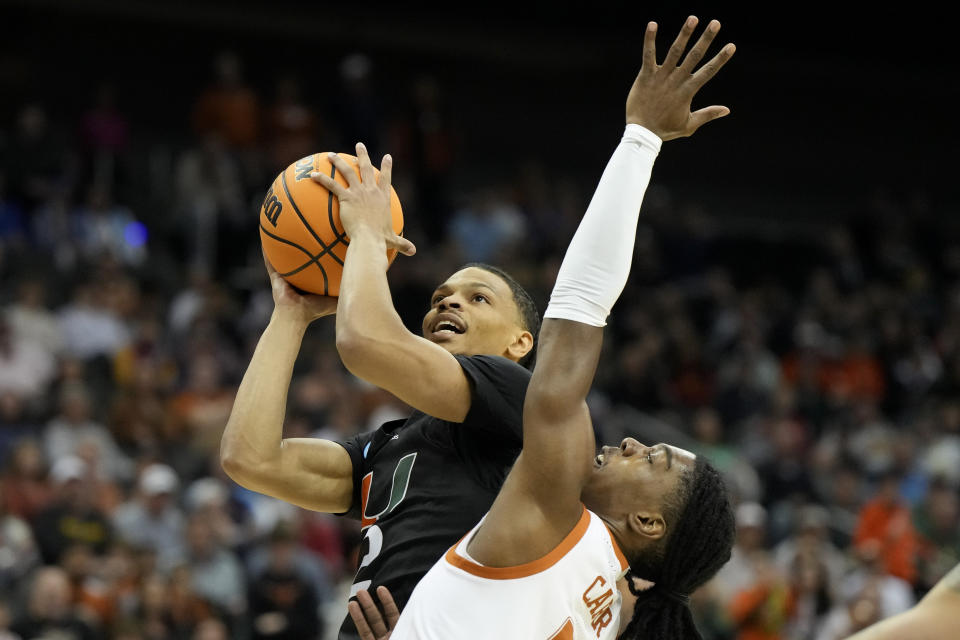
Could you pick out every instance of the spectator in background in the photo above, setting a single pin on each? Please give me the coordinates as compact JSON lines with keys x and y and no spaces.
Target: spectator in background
{"x":810,"y":539}
{"x":292,"y":127}
{"x":102,"y":227}
{"x":91,"y":328}
{"x":15,"y":423}
{"x":738,"y":573}
{"x":26,"y":368}
{"x":73,"y":516}
{"x":50,"y":613}
{"x":283,"y":601}
{"x":152,"y":519}
{"x":228,"y":108}
{"x":74,"y":426}
{"x":487,"y":227}
{"x":937,"y":521}
{"x":31,"y":320}
{"x":24,"y":489}
{"x":885,"y":531}
{"x":18,"y":550}
{"x":215,"y":573}
{"x":199,"y":412}
{"x":210,"y":202}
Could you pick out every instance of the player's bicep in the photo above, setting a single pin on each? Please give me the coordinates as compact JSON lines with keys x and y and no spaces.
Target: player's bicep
{"x":415,"y":370}
{"x":312,"y":473}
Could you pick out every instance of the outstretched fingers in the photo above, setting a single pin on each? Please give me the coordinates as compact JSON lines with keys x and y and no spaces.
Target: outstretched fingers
{"x":707,"y":71}
{"x":699,"y":50}
{"x":680,"y":44}
{"x":650,"y":48}
{"x":386,"y":174}
{"x":344,"y":168}
{"x":363,"y":160}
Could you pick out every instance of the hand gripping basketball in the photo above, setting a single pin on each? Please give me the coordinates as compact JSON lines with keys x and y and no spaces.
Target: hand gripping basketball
{"x":365,"y":202}
{"x":300,"y":226}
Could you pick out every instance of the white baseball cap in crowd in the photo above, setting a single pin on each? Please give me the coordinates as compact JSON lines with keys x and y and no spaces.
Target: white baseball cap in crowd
{"x":158,"y":478}
{"x":68,"y":468}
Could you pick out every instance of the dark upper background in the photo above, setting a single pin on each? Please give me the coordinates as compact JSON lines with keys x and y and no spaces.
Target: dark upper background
{"x":829,"y":104}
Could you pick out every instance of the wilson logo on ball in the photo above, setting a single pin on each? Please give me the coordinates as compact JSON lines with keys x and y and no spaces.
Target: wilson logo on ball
{"x":272,"y":207}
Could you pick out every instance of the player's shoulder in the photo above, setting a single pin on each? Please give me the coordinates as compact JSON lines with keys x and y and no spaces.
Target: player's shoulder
{"x":491,"y":363}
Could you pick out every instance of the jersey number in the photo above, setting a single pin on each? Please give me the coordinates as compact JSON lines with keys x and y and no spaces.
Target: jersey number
{"x":373,"y":534}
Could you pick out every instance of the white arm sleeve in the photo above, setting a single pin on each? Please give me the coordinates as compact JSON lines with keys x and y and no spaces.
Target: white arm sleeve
{"x":597,"y":263}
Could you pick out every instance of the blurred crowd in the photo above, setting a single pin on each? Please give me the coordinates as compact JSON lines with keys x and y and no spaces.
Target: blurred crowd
{"x":817,"y":363}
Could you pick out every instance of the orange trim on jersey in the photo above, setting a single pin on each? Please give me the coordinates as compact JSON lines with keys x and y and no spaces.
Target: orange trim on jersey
{"x":565,"y":632}
{"x":529,"y":568}
{"x":624,"y":565}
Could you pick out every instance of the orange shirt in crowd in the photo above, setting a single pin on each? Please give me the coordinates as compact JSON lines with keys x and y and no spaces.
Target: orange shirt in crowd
{"x":887,"y":525}
{"x":762,"y":611}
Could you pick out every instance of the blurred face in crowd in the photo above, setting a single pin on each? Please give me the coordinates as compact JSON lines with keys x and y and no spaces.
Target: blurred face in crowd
{"x":474,"y":312}
{"x":200,"y":538}
{"x":157,"y":503}
{"x":50,"y":595}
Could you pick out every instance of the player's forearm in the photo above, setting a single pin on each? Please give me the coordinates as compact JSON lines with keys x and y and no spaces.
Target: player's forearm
{"x":367,"y":322}
{"x":597,"y":263}
{"x":251,"y":443}
{"x":566,"y":362}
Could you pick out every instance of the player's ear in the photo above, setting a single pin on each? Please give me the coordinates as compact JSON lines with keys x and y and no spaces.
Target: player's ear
{"x":650,"y":525}
{"x":521,"y":346}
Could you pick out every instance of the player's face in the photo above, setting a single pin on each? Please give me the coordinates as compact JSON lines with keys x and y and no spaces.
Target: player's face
{"x":634,"y":476}
{"x":473,"y":313}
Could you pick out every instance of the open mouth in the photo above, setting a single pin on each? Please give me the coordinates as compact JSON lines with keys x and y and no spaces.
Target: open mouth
{"x":598,"y":461}
{"x":447,"y":327}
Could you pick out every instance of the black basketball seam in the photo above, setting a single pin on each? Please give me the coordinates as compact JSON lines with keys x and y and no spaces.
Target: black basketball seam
{"x":340,"y":237}
{"x":314,"y":259}
{"x":326,"y":249}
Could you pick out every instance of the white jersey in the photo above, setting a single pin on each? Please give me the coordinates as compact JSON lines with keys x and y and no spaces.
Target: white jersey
{"x":569,"y":594}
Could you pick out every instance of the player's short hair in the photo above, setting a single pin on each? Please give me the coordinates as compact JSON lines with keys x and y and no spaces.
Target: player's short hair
{"x":529,"y":316}
{"x":701,"y":532}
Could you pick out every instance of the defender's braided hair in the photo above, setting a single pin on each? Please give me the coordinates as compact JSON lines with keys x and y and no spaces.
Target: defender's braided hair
{"x":699,"y":544}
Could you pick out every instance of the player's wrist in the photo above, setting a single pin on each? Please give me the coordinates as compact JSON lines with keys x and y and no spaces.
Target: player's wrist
{"x":291,"y":318}
{"x":636,"y":132}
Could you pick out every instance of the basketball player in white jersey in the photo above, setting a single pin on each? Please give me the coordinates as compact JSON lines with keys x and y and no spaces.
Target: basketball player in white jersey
{"x":565,"y":528}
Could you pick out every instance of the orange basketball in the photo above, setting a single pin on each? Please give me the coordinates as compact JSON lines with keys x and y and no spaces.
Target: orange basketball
{"x":300,"y":225}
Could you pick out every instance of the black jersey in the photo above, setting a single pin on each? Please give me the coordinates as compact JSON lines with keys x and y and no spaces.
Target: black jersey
{"x":420,"y":484}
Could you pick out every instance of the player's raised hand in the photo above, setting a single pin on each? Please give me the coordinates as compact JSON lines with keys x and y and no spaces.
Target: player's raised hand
{"x":370,"y":622}
{"x":365,"y":203}
{"x":661,"y":95}
{"x":306,"y":307}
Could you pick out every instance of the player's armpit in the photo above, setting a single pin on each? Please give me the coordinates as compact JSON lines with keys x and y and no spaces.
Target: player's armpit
{"x":311,"y":473}
{"x":415,"y":370}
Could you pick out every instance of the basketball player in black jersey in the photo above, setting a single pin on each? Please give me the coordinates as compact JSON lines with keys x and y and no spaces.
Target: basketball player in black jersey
{"x":416,"y":485}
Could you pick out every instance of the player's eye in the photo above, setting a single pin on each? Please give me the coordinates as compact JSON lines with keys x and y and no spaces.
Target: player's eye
{"x":436,"y":299}
{"x":479,"y":298}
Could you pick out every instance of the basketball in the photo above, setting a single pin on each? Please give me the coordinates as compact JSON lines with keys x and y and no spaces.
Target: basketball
{"x":300,"y":225}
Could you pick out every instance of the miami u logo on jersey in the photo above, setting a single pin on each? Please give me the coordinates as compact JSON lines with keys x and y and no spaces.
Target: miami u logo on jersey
{"x":398,"y":490}
{"x":598,"y":600}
